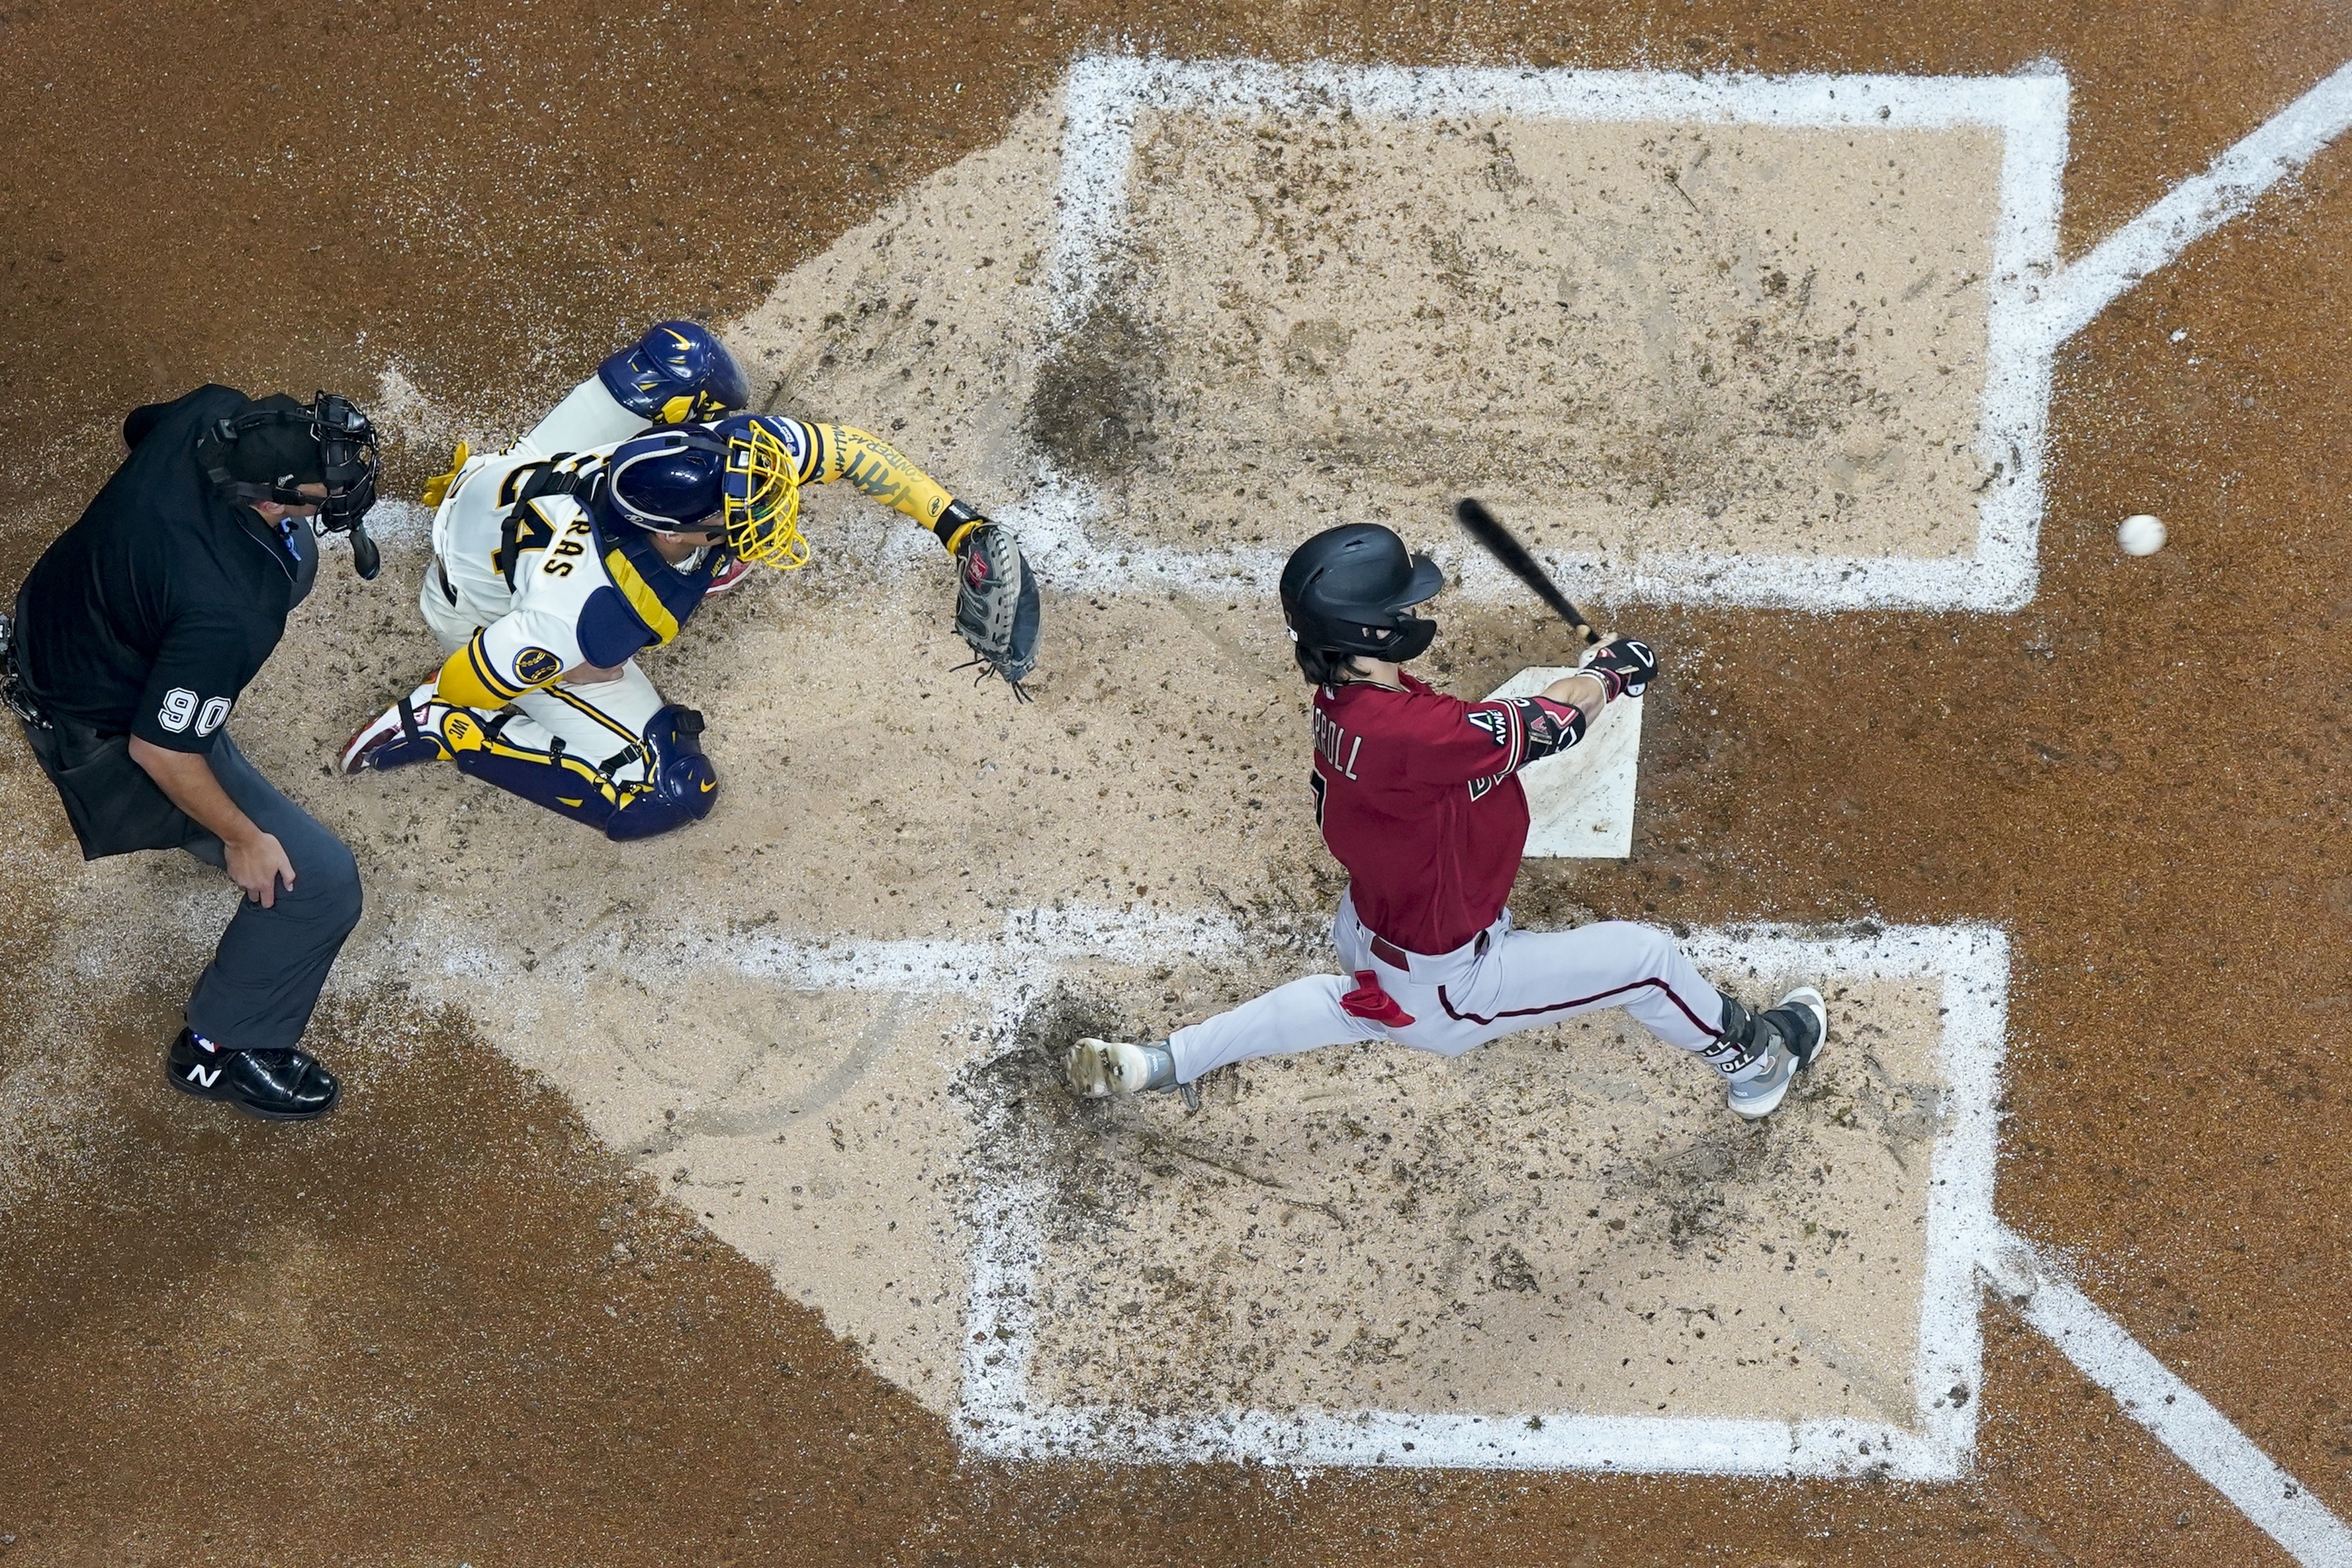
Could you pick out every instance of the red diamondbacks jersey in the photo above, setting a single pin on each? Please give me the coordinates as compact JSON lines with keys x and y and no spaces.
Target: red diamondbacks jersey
{"x":1417,"y":795}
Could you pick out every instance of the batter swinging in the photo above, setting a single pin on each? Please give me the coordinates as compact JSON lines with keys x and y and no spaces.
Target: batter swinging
{"x":1417,"y":795}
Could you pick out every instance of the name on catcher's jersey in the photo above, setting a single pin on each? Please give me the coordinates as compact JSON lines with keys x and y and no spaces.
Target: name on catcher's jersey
{"x":556,"y":586}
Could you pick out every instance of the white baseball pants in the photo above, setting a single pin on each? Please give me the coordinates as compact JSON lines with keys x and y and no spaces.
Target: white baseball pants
{"x":1498,"y":983}
{"x":594,"y":722}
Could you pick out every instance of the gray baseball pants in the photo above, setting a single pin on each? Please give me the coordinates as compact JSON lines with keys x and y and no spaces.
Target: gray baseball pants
{"x":1501,"y":981}
{"x":265,"y":978}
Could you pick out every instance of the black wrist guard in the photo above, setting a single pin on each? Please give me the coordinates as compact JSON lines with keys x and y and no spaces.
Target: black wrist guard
{"x":953,"y":521}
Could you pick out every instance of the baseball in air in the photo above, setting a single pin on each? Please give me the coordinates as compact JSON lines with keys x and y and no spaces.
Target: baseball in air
{"x":2141,"y":534}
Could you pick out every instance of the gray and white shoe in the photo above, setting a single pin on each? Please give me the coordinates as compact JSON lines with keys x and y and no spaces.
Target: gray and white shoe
{"x":1107,"y":1069}
{"x":1789,"y":1038}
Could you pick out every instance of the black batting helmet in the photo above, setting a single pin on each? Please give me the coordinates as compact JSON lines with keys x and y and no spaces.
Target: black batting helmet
{"x":1351,"y":590}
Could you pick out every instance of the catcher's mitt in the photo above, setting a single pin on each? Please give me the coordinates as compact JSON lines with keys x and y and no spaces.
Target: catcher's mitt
{"x":996,"y":606}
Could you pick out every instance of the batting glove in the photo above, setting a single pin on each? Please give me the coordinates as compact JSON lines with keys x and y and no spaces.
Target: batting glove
{"x":1625,"y":666}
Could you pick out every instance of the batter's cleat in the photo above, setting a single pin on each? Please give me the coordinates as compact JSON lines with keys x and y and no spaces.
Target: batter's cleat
{"x":408,"y":731}
{"x":1789,"y":1037}
{"x":282,"y":1085}
{"x":727,"y":577}
{"x":1101,"y":1069}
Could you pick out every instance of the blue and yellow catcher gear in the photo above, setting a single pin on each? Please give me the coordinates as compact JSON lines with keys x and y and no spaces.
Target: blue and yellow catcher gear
{"x":762,"y":491}
{"x":680,"y":788}
{"x":734,"y":477}
{"x":675,"y":374}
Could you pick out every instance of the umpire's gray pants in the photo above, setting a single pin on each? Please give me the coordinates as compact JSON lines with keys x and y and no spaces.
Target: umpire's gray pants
{"x":258,"y":992}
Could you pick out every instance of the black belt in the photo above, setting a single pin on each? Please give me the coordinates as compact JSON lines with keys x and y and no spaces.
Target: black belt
{"x":442,"y":572}
{"x":1396,"y":957}
{"x":13,"y":690}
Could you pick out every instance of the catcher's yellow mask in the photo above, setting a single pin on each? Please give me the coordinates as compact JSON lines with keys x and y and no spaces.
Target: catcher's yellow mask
{"x":762,"y":490}
{"x":736,"y":474}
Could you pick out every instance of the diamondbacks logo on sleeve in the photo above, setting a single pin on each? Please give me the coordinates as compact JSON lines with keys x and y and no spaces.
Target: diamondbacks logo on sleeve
{"x":1497,"y":726}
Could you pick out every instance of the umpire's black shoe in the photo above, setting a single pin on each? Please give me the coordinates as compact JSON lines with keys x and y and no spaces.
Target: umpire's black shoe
{"x":284,"y":1085}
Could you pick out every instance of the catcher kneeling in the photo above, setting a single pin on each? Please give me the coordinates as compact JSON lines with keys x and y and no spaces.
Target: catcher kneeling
{"x":598,"y":534}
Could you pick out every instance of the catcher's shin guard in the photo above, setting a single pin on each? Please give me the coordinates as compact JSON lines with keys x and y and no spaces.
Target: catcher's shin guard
{"x":680,"y":785}
{"x":407,"y":732}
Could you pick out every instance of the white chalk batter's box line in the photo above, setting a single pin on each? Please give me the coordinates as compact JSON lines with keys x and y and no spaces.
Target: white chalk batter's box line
{"x":999,"y":1418}
{"x":1035,"y":949}
{"x":1105,"y":95}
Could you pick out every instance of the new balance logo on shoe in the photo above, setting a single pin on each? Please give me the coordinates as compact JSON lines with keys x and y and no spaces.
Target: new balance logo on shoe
{"x":277,"y":1085}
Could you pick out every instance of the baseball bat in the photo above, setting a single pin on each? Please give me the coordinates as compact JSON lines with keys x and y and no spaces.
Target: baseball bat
{"x":1482,"y":525}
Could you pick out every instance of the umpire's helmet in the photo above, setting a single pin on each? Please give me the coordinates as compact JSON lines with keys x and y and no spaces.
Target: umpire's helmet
{"x":273,"y":448}
{"x":1351,"y":590}
{"x":276,"y":446}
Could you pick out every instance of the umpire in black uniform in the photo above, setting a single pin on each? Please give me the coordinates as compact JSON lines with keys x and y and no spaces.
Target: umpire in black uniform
{"x":134,"y":636}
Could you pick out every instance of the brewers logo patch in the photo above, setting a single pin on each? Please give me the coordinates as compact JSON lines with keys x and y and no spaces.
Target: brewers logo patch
{"x":537,"y":666}
{"x":794,"y":437}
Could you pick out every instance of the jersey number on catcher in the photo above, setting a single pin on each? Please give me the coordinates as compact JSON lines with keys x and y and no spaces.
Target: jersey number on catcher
{"x":597,"y":536}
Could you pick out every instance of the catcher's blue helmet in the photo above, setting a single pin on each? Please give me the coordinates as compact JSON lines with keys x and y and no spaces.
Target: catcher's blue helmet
{"x":736,"y":477}
{"x":668,"y":480}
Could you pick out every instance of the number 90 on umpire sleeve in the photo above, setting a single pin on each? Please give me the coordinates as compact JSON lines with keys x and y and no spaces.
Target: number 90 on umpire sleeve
{"x":181,"y":708}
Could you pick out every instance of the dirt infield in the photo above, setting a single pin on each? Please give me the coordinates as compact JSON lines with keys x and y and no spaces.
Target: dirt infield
{"x":1649,"y":319}
{"x":1577,"y":1237}
{"x":632,"y":1284}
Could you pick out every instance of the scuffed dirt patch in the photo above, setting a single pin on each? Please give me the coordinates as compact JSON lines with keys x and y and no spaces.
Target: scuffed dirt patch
{"x":1652,"y":338}
{"x":1569,"y":1220}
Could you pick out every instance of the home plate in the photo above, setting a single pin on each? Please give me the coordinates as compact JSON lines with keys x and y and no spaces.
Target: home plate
{"x":1580,"y":803}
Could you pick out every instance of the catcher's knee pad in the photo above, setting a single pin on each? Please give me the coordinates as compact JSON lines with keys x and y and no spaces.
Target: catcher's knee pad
{"x":680,"y":787}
